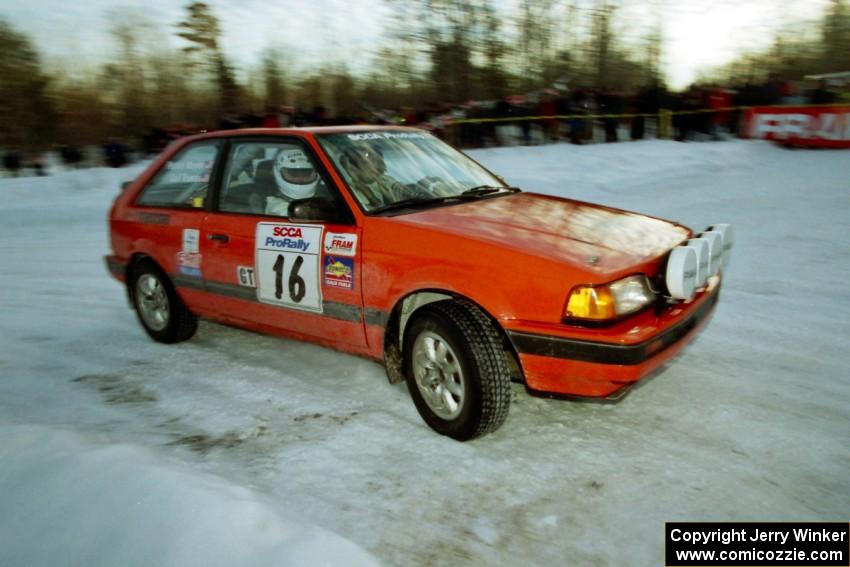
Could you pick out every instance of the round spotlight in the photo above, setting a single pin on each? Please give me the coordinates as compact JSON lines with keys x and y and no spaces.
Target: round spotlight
{"x":728,"y":232}
{"x":715,"y":250}
{"x":701,"y":247}
{"x":681,"y":275}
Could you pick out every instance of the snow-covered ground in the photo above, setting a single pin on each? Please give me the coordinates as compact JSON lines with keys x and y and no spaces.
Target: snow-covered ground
{"x":236,"y":448}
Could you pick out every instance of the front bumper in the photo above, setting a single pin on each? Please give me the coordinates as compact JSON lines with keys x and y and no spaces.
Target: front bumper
{"x":570,"y":366}
{"x":116,"y":267}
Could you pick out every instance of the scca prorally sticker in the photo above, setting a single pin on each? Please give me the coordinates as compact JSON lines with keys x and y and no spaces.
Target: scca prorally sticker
{"x":341,"y":244}
{"x":386,"y":136}
{"x":339,"y":272}
{"x":245,"y":276}
{"x":287,"y":263}
{"x":191,"y":240}
{"x":189,"y":264}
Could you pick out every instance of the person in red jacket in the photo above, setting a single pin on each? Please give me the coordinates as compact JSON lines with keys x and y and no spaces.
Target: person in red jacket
{"x":719,"y":99}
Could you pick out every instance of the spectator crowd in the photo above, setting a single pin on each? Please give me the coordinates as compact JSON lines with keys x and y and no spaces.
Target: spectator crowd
{"x":579,"y":115}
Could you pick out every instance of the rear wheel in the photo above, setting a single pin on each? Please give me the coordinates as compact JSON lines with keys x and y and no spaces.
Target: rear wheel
{"x":456,"y":369}
{"x":160,"y":310}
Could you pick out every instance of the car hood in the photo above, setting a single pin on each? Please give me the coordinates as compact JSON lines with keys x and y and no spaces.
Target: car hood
{"x":591,"y":237}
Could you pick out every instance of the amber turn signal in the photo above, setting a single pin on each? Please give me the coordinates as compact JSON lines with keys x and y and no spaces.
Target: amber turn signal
{"x":607,"y":302}
{"x":589,"y":302}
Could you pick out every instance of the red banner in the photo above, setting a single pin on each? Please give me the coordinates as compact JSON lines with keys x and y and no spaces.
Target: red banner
{"x":813,"y":126}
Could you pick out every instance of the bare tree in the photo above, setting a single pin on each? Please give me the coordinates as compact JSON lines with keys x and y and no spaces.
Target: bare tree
{"x":273,"y":80}
{"x":835,"y":39}
{"x":602,"y":41}
{"x":126,"y":74}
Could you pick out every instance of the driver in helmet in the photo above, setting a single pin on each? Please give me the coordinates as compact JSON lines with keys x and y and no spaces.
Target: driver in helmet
{"x":295,"y":177}
{"x":366,"y":166}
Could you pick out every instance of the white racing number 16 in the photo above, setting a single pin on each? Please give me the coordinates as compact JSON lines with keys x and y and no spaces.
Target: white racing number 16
{"x":288,"y":262}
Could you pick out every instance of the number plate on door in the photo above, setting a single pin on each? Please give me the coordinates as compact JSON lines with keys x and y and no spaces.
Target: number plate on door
{"x":288,"y":261}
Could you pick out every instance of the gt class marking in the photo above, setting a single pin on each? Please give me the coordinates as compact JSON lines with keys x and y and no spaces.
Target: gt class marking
{"x":245,"y":276}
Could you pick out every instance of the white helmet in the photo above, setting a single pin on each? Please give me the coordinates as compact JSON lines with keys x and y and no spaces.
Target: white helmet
{"x":294,"y":174}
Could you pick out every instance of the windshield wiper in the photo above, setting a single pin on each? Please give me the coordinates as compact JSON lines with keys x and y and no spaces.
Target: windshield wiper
{"x":414,"y":202}
{"x":473,"y":193}
{"x":487,"y":190}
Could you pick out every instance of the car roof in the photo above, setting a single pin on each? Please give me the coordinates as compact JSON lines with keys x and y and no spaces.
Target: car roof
{"x":311,"y":130}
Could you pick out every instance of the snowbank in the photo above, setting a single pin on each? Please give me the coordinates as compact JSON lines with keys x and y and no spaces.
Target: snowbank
{"x":68,"y":500}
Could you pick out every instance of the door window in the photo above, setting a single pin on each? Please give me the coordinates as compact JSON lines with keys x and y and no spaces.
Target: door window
{"x":184,"y":180}
{"x":262,"y":178}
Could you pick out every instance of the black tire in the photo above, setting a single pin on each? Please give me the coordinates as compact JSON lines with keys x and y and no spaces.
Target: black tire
{"x":178,"y":324}
{"x":468,"y":333}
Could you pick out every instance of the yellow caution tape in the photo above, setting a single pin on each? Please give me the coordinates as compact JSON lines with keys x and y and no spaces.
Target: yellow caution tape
{"x":633,"y":115}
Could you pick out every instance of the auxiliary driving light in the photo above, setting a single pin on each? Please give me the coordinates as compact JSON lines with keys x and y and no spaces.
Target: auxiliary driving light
{"x":715,"y":250}
{"x":728,"y":232}
{"x":701,"y":247}
{"x":681,"y":275}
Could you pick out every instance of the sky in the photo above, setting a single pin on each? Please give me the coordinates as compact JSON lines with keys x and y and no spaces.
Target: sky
{"x":698,"y":34}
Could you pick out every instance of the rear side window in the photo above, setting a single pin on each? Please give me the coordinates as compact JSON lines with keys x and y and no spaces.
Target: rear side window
{"x":184,"y":180}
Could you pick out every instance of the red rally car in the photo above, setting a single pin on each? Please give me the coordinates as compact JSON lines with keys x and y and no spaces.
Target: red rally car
{"x":387,"y":243}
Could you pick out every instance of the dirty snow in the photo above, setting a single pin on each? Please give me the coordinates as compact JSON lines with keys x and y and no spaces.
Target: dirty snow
{"x":238,"y":448}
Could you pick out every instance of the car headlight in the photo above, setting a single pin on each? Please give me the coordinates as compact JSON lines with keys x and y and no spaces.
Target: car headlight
{"x":610,"y":301}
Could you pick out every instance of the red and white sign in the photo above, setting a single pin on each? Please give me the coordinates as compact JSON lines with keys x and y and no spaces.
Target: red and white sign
{"x":816,"y":126}
{"x":341,"y":244}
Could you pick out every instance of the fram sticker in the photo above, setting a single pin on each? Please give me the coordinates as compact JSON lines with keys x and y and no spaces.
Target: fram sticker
{"x":341,"y":244}
{"x":191,"y":240}
{"x":339,"y":272}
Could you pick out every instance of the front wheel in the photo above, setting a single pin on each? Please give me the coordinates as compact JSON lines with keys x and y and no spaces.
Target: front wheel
{"x":161,"y":312}
{"x":457,"y":370}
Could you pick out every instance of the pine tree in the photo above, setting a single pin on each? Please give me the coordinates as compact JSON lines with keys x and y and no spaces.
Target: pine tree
{"x":201,"y":29}
{"x":27,"y":114}
{"x":835,"y":42}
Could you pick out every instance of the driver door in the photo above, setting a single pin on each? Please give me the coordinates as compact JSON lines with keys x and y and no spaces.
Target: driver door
{"x":264,"y":271}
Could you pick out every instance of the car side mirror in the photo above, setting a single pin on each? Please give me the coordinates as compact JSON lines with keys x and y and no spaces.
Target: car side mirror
{"x":315,"y":209}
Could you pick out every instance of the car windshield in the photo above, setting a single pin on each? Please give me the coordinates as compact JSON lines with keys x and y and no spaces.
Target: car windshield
{"x":395,"y":169}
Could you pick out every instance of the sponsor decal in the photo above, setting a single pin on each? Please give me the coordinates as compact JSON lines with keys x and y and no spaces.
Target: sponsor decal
{"x":191,"y":240}
{"x":285,"y":237}
{"x":189,"y":171}
{"x":386,"y":136}
{"x":341,"y":244}
{"x":189,"y":264}
{"x":339,"y":272}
